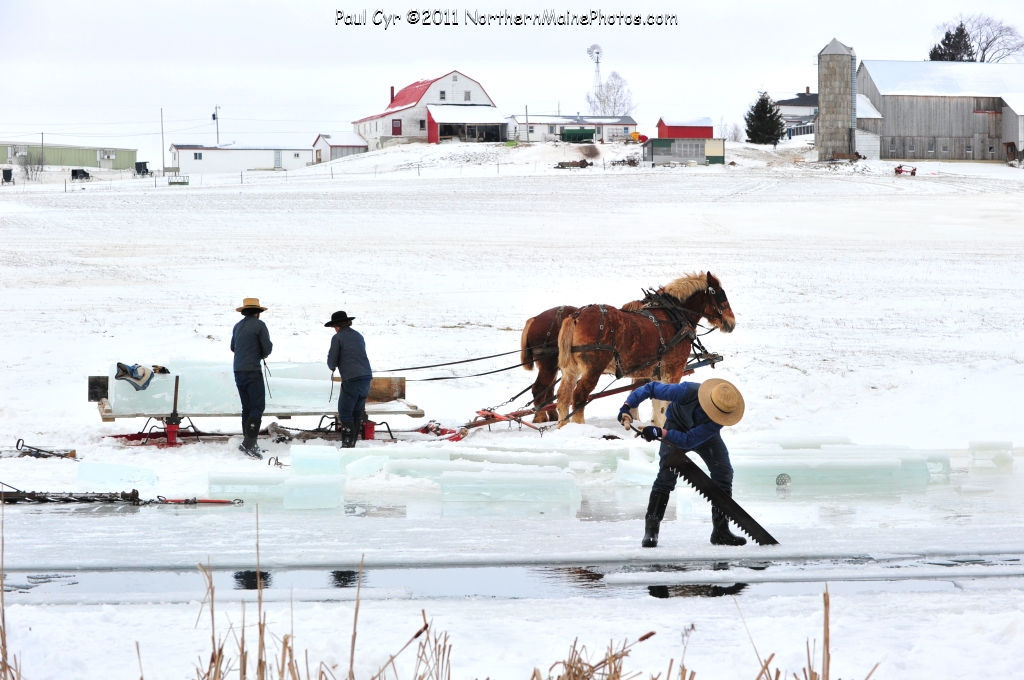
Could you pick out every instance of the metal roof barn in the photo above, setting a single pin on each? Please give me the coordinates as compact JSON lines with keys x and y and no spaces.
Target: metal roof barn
{"x":698,"y":128}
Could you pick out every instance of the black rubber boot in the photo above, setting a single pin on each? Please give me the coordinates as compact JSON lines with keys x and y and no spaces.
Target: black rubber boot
{"x":348,"y":435}
{"x":249,"y":441}
{"x":655,"y":513}
{"x":721,"y":534}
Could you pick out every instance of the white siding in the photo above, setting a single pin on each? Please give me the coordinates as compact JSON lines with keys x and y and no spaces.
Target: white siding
{"x":868,"y":145}
{"x":236,"y":160}
{"x":1013,"y":128}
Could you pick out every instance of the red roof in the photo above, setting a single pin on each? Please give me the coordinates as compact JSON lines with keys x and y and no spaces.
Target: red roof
{"x":410,"y":95}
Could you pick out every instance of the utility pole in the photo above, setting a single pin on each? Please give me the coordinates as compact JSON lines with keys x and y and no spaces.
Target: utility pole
{"x":163,"y":157}
{"x":216,"y":119}
{"x":527,"y":124}
{"x":42,"y":151}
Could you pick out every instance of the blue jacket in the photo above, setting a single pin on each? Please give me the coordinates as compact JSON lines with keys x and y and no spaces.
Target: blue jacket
{"x":348,"y":355}
{"x":250,"y":341}
{"x":703,"y":428}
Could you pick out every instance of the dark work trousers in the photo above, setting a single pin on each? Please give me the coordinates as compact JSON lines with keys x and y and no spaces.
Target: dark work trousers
{"x":250,"y":391}
{"x":352,"y":400}
{"x":714,"y":453}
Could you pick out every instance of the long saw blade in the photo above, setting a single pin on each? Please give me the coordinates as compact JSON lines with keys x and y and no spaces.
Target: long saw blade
{"x":678,"y":460}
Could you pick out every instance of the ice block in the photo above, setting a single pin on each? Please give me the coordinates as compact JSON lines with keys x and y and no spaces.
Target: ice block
{"x":536,"y":487}
{"x":636,"y":472}
{"x":310,"y":459}
{"x":560,"y":460}
{"x":365,"y":466}
{"x":248,"y":486}
{"x":111,"y":477}
{"x":433,"y":469}
{"x":321,"y":492}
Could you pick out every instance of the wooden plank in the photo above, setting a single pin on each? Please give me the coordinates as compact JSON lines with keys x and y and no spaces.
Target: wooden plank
{"x":384,"y":389}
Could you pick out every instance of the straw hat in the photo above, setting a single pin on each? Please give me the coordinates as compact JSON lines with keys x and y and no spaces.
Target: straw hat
{"x":721,"y":401}
{"x":251,"y":303}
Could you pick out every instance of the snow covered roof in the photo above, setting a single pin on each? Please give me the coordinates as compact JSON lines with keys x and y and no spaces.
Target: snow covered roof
{"x":694,"y":122}
{"x":807,"y":99}
{"x":541,"y":119}
{"x":947,"y":79}
{"x":473,"y":115}
{"x":241,"y":147}
{"x":836,"y":47}
{"x":341,"y":139}
{"x":865,"y":109}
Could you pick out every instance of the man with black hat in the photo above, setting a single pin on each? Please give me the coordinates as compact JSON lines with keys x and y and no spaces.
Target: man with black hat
{"x":694,"y":420}
{"x":348,"y":356}
{"x":250,"y":341}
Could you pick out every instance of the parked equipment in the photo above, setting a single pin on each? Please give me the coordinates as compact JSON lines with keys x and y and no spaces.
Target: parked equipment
{"x":906,"y":170}
{"x":566,"y":165}
{"x":8,"y":176}
{"x":578,"y":136}
{"x":80,"y":175}
{"x":141,"y":169}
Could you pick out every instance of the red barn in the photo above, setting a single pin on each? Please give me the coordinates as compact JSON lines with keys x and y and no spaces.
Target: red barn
{"x":698,"y":128}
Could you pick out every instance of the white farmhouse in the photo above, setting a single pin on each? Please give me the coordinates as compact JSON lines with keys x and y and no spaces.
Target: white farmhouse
{"x":329,"y":147}
{"x":545,"y":128}
{"x":453,"y":106}
{"x":199,"y":159}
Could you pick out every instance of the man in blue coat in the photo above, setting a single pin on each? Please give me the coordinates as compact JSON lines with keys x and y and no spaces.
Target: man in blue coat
{"x":348,"y":356}
{"x":250,"y":341}
{"x":696,"y":414}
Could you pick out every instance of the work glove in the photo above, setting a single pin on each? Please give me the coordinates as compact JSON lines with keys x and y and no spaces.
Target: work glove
{"x":651,"y":433}
{"x":625,"y":417}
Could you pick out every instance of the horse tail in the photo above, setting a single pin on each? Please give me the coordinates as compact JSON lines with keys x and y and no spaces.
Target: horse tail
{"x":566,"y":336}
{"x":525,"y":351}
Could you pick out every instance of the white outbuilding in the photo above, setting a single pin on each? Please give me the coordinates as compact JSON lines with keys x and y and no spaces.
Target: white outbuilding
{"x":334,"y":145}
{"x":453,"y":106}
{"x":199,"y":158}
{"x":545,"y":128}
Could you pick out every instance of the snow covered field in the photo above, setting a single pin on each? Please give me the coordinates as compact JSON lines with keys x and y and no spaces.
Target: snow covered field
{"x":885,"y":309}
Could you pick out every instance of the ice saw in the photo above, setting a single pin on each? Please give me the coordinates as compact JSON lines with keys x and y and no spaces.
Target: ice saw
{"x":678,"y":460}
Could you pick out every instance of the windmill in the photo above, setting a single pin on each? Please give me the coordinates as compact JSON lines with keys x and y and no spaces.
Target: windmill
{"x":595,"y":52}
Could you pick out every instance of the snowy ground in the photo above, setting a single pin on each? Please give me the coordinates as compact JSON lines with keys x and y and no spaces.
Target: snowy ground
{"x":887,"y":309}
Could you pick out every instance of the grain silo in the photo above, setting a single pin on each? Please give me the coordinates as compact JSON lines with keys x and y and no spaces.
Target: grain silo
{"x":837,"y":101}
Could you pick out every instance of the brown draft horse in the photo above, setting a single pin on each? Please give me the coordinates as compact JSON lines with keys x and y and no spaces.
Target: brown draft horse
{"x":539,"y":346}
{"x":651,"y":342}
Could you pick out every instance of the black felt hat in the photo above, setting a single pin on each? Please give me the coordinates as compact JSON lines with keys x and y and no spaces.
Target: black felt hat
{"x":337,"y":319}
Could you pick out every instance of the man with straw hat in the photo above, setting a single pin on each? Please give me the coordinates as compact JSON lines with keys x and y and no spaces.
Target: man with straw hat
{"x":250,"y":341}
{"x":694,"y":419}
{"x":348,"y":356}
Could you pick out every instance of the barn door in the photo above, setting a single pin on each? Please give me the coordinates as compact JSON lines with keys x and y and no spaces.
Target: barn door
{"x":277,"y":159}
{"x":396,"y":127}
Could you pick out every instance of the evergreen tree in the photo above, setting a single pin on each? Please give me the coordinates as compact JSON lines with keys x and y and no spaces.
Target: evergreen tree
{"x":764,"y":122}
{"x":954,"y":46}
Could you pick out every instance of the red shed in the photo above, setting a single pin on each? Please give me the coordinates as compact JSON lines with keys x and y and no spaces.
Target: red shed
{"x":698,"y":128}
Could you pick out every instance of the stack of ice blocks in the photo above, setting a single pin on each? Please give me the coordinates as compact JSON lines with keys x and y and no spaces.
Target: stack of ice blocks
{"x":315,"y":481}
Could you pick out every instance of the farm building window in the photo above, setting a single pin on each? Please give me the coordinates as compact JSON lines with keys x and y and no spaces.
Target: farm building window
{"x":991,"y":149}
{"x":455,"y":77}
{"x":423,"y":124}
{"x":466,"y":96}
{"x":561,"y":129}
{"x":597,"y":130}
{"x":296,"y":155}
{"x":970,"y":149}
{"x":892,"y":146}
{"x":945,"y":148}
{"x":442,"y":95}
{"x":625,"y":130}
{"x":910,"y":147}
{"x":197,"y":156}
{"x":931,"y":147}
{"x":551,"y":129}
{"x":531,"y":129}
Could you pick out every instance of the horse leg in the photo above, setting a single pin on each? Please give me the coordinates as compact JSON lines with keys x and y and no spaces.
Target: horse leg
{"x":585,"y":385}
{"x":570,"y":374}
{"x":635,"y":412}
{"x":544,"y":387}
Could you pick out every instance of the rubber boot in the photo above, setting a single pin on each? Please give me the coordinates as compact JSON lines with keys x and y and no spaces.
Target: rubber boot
{"x":655,"y":513}
{"x":249,"y":442}
{"x":348,"y":435}
{"x":721,"y":534}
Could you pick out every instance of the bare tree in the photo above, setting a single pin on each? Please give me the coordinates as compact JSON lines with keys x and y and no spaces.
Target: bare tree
{"x":614,"y":99}
{"x":31,"y":165}
{"x":992,"y":39}
{"x":735,"y":133}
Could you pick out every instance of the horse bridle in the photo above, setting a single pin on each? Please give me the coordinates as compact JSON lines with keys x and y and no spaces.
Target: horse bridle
{"x":720,"y":300}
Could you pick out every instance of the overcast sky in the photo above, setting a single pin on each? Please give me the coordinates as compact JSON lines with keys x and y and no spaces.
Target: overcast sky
{"x":96,"y":73}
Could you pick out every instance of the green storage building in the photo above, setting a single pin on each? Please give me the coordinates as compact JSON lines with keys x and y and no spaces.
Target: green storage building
{"x":70,"y":156}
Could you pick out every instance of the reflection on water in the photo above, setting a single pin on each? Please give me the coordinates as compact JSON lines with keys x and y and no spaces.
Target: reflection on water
{"x":344,"y":579}
{"x":664,"y":592}
{"x":246,"y":580}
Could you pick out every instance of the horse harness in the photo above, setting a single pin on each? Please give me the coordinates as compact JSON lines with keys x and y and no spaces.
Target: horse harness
{"x":685,"y":331}
{"x":545,"y":348}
